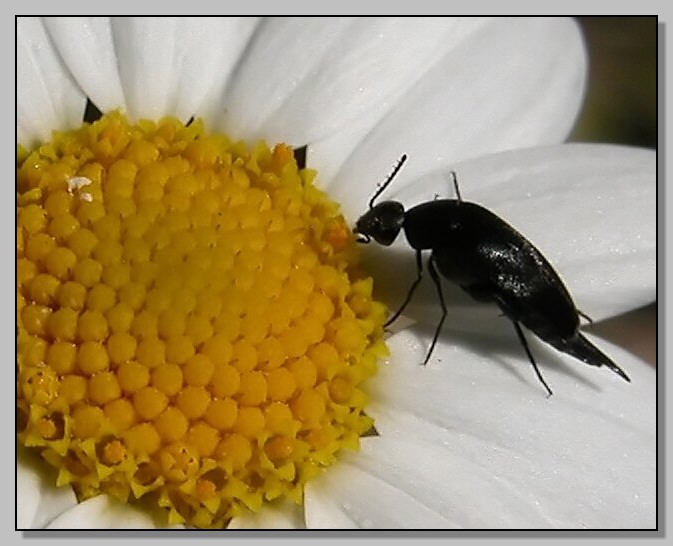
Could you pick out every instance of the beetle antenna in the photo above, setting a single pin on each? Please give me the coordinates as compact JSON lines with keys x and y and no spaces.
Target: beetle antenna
{"x":383,"y":186}
{"x":455,"y":185}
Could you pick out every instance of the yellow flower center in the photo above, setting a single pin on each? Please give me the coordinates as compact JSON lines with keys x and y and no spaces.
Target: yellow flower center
{"x":192,"y":326}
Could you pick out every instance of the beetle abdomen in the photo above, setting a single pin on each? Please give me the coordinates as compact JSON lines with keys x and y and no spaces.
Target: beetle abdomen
{"x":582,"y":349}
{"x":489,"y":259}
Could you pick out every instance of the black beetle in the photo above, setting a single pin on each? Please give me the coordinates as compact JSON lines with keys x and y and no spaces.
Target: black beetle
{"x":491,"y":261}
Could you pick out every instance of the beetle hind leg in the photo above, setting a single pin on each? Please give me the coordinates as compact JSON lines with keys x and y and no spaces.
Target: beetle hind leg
{"x":523,"y":341}
{"x":585,"y":317}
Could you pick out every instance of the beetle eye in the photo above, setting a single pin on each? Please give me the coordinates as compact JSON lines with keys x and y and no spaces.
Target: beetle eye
{"x":364,"y":239}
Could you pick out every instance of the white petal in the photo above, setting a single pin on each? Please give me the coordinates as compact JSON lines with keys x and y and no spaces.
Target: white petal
{"x":103,"y":512}
{"x":47,"y":97}
{"x":275,"y":515}
{"x":584,"y":457}
{"x":306,"y":78}
{"x":27,"y":495}
{"x":382,"y":488}
{"x":590,"y":209}
{"x":406,"y":482}
{"x":512,"y":83}
{"x":177,"y":66}
{"x":38,"y":500}
{"x":211,"y":74}
{"x":86,"y":45}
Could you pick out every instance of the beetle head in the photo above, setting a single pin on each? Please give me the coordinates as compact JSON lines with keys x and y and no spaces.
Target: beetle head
{"x":382,"y":223}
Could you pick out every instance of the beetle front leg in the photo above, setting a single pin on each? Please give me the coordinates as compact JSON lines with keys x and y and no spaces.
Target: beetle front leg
{"x":419,"y":276}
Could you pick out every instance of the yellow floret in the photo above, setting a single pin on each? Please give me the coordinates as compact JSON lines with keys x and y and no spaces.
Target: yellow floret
{"x":222,"y":414}
{"x":62,"y":324}
{"x":193,"y":401}
{"x":92,"y":357}
{"x":151,"y":351}
{"x":114,"y":452}
{"x":32,"y":351}
{"x":58,"y":202}
{"x":121,"y":347}
{"x":235,"y":450}
{"x":43,"y":288}
{"x":192,"y":326}
{"x":34,"y":318}
{"x":167,"y":378}
{"x":60,"y":262}
{"x":61,"y":357}
{"x":252,"y":390}
{"x":38,"y":246}
{"x":87,"y":272}
{"x":279,"y":448}
{"x":120,"y":414}
{"x":120,"y":318}
{"x":308,"y":408}
{"x":104,"y":387}
{"x":203,"y":438}
{"x":82,"y":243}
{"x":198,"y":370}
{"x":171,"y":424}
{"x":225,"y":381}
{"x":101,"y":298}
{"x":72,"y":388}
{"x":142,"y":439}
{"x":279,"y":419}
{"x":132,"y":376}
{"x":72,"y":294}
{"x":281,"y":384}
{"x":149,"y":402}
{"x":92,"y":326}
{"x":87,"y":421}
{"x":32,"y":218}
{"x":179,"y":349}
{"x":63,"y":226}
{"x":249,"y":421}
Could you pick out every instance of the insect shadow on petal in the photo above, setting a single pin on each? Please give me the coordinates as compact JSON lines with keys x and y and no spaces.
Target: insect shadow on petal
{"x":490,"y":260}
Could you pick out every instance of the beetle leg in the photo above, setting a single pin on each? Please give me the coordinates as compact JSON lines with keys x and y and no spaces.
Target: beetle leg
{"x":585,"y":317}
{"x":419,"y":276}
{"x":455,"y":186}
{"x":438,"y":285}
{"x":519,"y":332}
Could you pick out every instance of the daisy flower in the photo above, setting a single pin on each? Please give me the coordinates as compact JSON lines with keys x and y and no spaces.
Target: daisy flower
{"x":211,"y":409}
